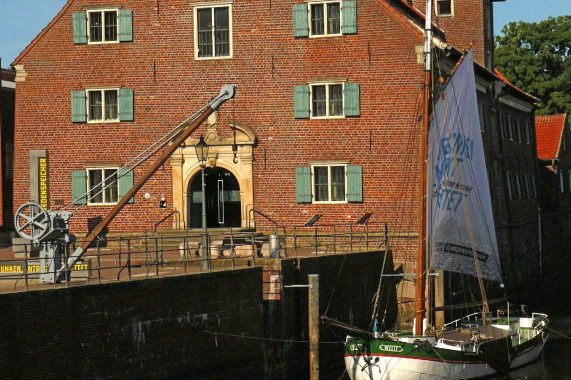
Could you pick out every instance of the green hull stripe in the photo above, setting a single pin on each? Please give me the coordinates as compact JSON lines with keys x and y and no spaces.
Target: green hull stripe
{"x":420,"y":358}
{"x":380,"y":347}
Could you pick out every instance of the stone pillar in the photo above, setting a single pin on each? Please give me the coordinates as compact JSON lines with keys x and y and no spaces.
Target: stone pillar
{"x":178,"y":191}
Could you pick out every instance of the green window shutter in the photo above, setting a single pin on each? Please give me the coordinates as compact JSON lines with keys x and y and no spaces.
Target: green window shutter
{"x":78,"y":109}
{"x":300,"y":21}
{"x":303,"y":184}
{"x":78,"y":187}
{"x":352,"y":99}
{"x":125,"y":17}
{"x":301,"y":102}
{"x":126,"y":181}
{"x":126,"y":105}
{"x":349,"y":17}
{"x":79,"y":28}
{"x":354,"y":183}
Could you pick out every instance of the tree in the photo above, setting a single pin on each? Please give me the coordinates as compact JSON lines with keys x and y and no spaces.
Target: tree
{"x":536,"y":57}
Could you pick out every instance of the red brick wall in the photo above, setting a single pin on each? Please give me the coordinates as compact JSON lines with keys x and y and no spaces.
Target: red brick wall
{"x":1,"y":161}
{"x":381,"y":58}
{"x":466,"y":26}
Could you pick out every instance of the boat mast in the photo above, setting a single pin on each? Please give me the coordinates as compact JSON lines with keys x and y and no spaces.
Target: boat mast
{"x":421,"y":265}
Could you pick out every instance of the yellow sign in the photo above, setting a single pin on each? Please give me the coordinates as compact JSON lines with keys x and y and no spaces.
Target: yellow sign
{"x":44,"y":196}
{"x":35,"y":267}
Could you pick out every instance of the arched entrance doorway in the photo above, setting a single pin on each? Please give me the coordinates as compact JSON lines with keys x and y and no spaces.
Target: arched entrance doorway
{"x":223,"y":208}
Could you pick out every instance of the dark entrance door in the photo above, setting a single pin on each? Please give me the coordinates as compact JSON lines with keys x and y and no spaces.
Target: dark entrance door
{"x":222,"y":199}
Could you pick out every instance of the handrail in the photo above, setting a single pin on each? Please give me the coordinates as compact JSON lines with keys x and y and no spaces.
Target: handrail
{"x":176,"y":220}
{"x":132,"y":257}
{"x":265,"y":216}
{"x":466,"y":317}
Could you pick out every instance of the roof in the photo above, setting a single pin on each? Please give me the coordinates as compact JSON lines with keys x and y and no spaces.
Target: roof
{"x":515,"y":89}
{"x":549,"y":132}
{"x":401,"y":9}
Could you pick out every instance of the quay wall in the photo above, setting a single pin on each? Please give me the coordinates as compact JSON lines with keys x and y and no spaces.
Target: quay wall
{"x":199,"y":326}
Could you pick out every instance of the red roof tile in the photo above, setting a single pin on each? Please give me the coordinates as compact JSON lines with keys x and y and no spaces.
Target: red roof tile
{"x":549,"y":131}
{"x":503,"y":79}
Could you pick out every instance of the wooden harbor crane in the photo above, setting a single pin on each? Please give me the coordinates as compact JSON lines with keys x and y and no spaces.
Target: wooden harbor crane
{"x":50,"y":228}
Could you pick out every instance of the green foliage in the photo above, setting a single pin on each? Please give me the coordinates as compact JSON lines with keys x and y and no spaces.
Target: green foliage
{"x":536,"y":57}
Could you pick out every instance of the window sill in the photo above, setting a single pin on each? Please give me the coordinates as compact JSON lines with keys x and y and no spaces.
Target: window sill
{"x":325,"y":35}
{"x":211,"y":58}
{"x":102,"y":42}
{"x":326,"y":117}
{"x":103,"y":121}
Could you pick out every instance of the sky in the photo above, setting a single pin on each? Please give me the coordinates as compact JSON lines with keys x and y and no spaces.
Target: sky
{"x":22,"y":20}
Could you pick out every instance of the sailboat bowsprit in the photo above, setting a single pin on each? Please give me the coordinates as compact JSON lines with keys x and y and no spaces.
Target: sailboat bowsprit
{"x":459,"y":235}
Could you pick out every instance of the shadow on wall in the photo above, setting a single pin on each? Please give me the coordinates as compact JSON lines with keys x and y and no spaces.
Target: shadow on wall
{"x":91,"y":224}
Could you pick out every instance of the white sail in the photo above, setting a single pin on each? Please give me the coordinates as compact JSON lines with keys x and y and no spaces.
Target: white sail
{"x":460,"y":213}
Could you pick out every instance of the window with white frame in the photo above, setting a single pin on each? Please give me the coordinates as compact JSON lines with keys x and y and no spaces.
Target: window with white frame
{"x":325,"y":18}
{"x":213,"y":31}
{"x":511,"y":123}
{"x":102,"y":185}
{"x":509,"y":186}
{"x":102,"y":105}
{"x":517,"y":184}
{"x":329,"y":183}
{"x":524,"y":132}
{"x":533,"y":188}
{"x":528,"y":132}
{"x":482,"y":115}
{"x":561,"y":181}
{"x":503,"y":126}
{"x":102,"y":26}
{"x":444,"y":8}
{"x":526,"y":187}
{"x":326,"y":100}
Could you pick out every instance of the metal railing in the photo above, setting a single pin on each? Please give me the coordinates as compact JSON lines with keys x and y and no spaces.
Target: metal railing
{"x":157,"y":255}
{"x":174,"y":213}
{"x":334,"y":239}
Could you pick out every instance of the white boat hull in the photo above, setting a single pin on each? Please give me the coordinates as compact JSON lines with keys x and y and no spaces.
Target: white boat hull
{"x":410,"y":362}
{"x":400,"y":368}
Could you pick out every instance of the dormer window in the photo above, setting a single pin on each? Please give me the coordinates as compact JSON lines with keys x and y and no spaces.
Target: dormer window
{"x":444,"y":8}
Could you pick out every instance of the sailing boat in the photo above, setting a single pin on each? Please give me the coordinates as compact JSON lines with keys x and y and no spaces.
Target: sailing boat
{"x":457,"y":230}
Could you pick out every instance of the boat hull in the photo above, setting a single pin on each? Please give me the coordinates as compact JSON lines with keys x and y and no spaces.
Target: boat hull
{"x":389,"y":360}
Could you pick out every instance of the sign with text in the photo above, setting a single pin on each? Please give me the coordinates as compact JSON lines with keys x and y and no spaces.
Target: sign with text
{"x":43,"y":182}
{"x":19,"y":266}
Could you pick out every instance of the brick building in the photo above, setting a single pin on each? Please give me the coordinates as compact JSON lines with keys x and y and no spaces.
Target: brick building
{"x":554,"y":154}
{"x":7,"y":104}
{"x":513,"y":169}
{"x":325,"y":120}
